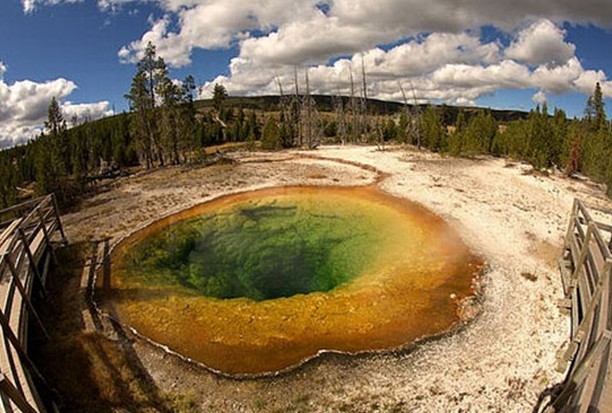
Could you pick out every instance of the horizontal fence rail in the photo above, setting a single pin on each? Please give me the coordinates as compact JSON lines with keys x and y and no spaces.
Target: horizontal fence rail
{"x":586,"y":272}
{"x":26,"y":232}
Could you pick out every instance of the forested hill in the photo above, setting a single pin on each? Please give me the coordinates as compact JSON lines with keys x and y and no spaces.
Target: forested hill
{"x":326,"y":103}
{"x":168,"y":127}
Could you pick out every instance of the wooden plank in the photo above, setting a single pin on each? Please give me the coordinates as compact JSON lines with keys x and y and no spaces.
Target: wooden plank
{"x":591,"y":306}
{"x":587,"y":371}
{"x":586,"y":324}
{"x":565,"y":268}
{"x":570,"y":225}
{"x":9,"y":232}
{"x":23,"y":205}
{"x":17,"y":346}
{"x":603,"y":247}
{"x":590,"y":271}
{"x":15,"y":396}
{"x":579,"y":231}
{"x":602,"y":383}
{"x":606,"y":296}
{"x":584,"y":211}
{"x":47,"y":238}
{"x":607,"y":286}
{"x":584,"y":295}
{"x":45,"y":268}
{"x":575,"y":383}
{"x":25,"y":297}
{"x":598,"y":262}
{"x":7,"y":362}
{"x":584,"y":249}
{"x":604,"y":227}
{"x":27,"y":243}
{"x":58,"y":220}
{"x":574,"y":249}
{"x":574,"y":317}
{"x":33,"y":264}
{"x":85,"y":291}
{"x":605,"y":399}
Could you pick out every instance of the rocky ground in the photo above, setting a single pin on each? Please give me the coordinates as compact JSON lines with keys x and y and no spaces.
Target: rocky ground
{"x":500,"y":362}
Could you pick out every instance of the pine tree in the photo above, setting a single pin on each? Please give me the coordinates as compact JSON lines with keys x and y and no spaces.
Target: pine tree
{"x":55,"y":122}
{"x":403,"y":128}
{"x":432,"y":129}
{"x":479,"y":134}
{"x":390,"y":133}
{"x":456,"y":140}
{"x":597,"y":143}
{"x":219,"y":97}
{"x":187,"y":124}
{"x":271,"y":135}
{"x":170,"y":95}
{"x":142,"y":97}
{"x":541,"y":139}
{"x":8,"y":183}
{"x":51,"y":157}
{"x":559,"y":126}
{"x":595,"y":112}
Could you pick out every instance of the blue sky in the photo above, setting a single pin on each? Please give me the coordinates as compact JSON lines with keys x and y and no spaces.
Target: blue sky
{"x":494,"y":54}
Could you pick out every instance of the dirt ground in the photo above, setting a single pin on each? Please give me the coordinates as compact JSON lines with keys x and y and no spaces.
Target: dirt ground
{"x":499,"y":362}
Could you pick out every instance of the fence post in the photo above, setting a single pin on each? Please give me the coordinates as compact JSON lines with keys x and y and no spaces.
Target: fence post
{"x":24,"y":295}
{"x":59,"y":221}
{"x":47,"y":237}
{"x":15,"y":395}
{"x":26,"y":247}
{"x":12,"y":338}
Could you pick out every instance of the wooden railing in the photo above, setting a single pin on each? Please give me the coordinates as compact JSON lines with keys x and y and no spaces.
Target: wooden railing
{"x":586,"y":271}
{"x":26,"y":232}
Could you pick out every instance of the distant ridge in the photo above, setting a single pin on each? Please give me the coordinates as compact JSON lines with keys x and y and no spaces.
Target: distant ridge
{"x":270,"y":103}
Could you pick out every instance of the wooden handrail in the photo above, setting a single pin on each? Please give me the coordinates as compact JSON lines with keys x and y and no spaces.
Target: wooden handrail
{"x":590,"y":283}
{"x":25,"y":248}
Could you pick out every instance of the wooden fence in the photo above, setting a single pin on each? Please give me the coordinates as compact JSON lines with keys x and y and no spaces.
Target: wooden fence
{"x":586,"y":271}
{"x":26,"y":231}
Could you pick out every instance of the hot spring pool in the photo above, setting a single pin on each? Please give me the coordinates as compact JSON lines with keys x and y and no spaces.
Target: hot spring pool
{"x":259,"y":282}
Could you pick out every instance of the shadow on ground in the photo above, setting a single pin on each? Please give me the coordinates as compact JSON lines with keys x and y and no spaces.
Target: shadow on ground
{"x":88,"y":371}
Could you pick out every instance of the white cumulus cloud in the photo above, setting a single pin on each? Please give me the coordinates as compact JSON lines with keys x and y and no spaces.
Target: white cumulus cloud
{"x":450,"y":63}
{"x":24,"y":104}
{"x":541,"y":43}
{"x":85,"y":111}
{"x":433,"y":48}
{"x":539,"y":97}
{"x":31,"y":5}
{"x":307,"y":31}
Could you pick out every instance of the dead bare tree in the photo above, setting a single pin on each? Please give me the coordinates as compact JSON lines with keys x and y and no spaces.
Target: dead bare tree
{"x":405,"y":123}
{"x":379,"y":134}
{"x":284,"y":114}
{"x":364,"y":97}
{"x":416,"y":118}
{"x":355,"y":132}
{"x":308,"y":111}
{"x":296,"y":109}
{"x":311,"y":126}
{"x":341,"y":130}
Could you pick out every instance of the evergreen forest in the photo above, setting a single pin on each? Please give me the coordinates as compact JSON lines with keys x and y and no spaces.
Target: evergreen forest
{"x":167,"y":126}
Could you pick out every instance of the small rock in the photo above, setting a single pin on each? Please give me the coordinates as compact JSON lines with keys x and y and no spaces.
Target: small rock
{"x":530,"y":276}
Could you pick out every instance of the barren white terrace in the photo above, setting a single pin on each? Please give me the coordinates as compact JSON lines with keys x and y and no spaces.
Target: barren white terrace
{"x":501,"y":361}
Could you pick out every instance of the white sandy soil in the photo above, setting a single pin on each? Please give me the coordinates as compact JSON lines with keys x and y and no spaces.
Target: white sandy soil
{"x":500,"y":362}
